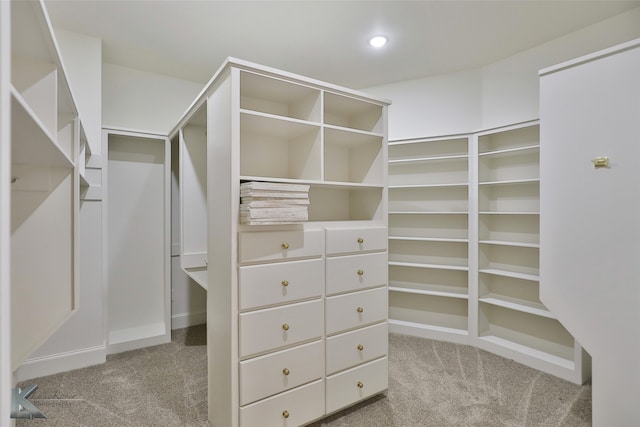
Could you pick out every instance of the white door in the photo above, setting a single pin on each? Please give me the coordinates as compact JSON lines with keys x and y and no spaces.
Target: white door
{"x":590,"y":218}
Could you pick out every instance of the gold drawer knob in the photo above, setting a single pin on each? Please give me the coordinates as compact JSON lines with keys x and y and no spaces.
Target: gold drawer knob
{"x":285,"y":414}
{"x":360,"y":347}
{"x":285,"y":327}
{"x":360,"y":240}
{"x":285,"y":283}
{"x":360,"y":272}
{"x":285,"y":371}
{"x":359,"y":309}
{"x":360,"y":385}
{"x":284,"y":246}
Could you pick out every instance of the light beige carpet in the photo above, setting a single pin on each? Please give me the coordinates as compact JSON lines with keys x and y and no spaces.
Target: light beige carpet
{"x":431,"y":383}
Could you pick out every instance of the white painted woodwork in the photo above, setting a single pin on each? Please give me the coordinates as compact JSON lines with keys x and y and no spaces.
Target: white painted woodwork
{"x":589,"y":230}
{"x":45,"y":135}
{"x":345,"y":240}
{"x":356,"y":347}
{"x":280,"y":371}
{"x":137,"y":239}
{"x":356,"y":272}
{"x":464,"y":247}
{"x":295,"y":407}
{"x":267,"y":285}
{"x":356,"y":309}
{"x":279,"y":245}
{"x":272,"y":328}
{"x":274,"y":284}
{"x":356,"y":384}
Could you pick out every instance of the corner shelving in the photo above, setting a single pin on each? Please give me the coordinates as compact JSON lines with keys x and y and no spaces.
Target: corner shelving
{"x":488,"y":297}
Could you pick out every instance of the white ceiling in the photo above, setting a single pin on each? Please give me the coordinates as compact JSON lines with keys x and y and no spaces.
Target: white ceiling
{"x":326,"y":40}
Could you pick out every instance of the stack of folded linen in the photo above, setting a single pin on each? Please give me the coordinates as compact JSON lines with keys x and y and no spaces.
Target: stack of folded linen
{"x":273,"y":203}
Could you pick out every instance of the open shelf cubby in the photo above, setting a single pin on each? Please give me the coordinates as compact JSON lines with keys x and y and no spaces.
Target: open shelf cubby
{"x":279,"y":148}
{"x":278,"y":97}
{"x":340,"y":203}
{"x":510,"y":197}
{"x":525,"y":332}
{"x":505,"y":140}
{"x":445,"y":254}
{"x":517,"y":164}
{"x":443,"y":171}
{"x":515,"y":259}
{"x":509,"y":228}
{"x":354,"y":157}
{"x":451,"y":283}
{"x":352,"y":113}
{"x":420,"y":150}
{"x":429,"y":226}
{"x":429,"y":311}
{"x":429,"y":199}
{"x":511,"y":290}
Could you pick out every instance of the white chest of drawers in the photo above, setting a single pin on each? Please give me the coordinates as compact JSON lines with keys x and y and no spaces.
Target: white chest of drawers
{"x":308,"y":319}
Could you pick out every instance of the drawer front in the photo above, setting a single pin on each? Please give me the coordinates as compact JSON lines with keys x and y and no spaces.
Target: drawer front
{"x":356,"y":309}
{"x":353,"y":348}
{"x":356,"y":272}
{"x":292,"y":408}
{"x":257,"y":246}
{"x":272,"y":328}
{"x":269,"y":284}
{"x":356,"y":384}
{"x":277,"y":372}
{"x":353,"y":240}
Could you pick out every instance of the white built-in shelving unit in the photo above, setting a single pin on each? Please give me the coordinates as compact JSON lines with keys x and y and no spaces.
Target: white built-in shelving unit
{"x":429,"y":236}
{"x":46,"y":141}
{"x":464,"y":215}
{"x":137,"y":239}
{"x":296,"y":312}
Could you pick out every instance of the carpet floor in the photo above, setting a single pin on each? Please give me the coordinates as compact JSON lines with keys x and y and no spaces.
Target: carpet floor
{"x":431,"y":383}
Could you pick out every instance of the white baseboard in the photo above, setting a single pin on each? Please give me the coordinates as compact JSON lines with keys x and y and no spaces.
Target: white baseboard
{"x":184,"y":320}
{"x":62,"y":362}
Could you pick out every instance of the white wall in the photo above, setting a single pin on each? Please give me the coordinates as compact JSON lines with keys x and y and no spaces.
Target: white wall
{"x":142,"y":101}
{"x":441,"y":105}
{"x":499,"y":94}
{"x":510,"y":88}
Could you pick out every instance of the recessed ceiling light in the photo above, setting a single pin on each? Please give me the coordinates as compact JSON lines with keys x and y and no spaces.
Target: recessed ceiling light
{"x":378,"y":41}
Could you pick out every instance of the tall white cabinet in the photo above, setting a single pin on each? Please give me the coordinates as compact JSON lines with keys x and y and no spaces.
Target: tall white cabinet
{"x":464,"y":247}
{"x":589,"y":230}
{"x":296,"y":313}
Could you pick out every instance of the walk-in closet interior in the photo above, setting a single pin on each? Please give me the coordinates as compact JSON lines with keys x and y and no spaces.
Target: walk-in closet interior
{"x":165,"y":165}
